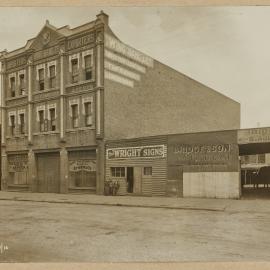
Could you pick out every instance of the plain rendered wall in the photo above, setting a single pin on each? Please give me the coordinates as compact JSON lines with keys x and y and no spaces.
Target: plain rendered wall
{"x":165,"y":101}
{"x":211,"y":184}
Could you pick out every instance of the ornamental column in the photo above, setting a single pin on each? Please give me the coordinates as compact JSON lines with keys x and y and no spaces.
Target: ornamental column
{"x":4,"y":161}
{"x":100,"y":151}
{"x":62,"y":96}
{"x":30,"y":101}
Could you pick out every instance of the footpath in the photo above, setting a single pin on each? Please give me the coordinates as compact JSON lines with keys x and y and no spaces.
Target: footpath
{"x":251,"y":205}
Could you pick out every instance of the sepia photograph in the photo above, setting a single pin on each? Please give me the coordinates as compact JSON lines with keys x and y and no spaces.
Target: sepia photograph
{"x":134,"y":134}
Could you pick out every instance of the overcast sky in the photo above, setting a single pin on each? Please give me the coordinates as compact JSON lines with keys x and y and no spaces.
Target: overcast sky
{"x":225,"y":48}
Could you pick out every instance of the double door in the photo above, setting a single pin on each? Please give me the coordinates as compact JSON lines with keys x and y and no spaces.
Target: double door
{"x":48,"y":170}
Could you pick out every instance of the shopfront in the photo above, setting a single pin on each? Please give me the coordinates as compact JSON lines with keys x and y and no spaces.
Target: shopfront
{"x":18,"y":171}
{"x":82,"y":171}
{"x":138,"y":167}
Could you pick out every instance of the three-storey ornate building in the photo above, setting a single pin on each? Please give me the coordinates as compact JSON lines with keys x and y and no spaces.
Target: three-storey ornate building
{"x":67,"y":91}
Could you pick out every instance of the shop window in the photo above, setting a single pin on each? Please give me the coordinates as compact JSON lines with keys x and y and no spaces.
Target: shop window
{"x":41,"y":76}
{"x":52,"y":119}
{"x":12,"y":124}
{"x":75,"y":115}
{"x":12,"y":86}
{"x":88,"y":67}
{"x":88,"y":113}
{"x":147,"y":171}
{"x":118,"y":171}
{"x":41,"y":121}
{"x":75,"y":70}
{"x":22,"y":84}
{"x":22,"y":123}
{"x":52,"y":75}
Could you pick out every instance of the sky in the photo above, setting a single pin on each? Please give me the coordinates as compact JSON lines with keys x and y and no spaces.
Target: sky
{"x":225,"y":48}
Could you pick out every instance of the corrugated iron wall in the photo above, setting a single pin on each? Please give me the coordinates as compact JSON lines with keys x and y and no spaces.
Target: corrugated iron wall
{"x":154,"y":185}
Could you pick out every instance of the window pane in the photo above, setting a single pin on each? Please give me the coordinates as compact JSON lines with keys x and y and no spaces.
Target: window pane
{"x":87,"y":60}
{"x":52,"y":71}
{"x":147,"y":170}
{"x":74,"y":64}
{"x":41,"y":74}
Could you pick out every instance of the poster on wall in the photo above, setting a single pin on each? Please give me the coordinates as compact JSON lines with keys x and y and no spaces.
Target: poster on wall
{"x":82,"y":165}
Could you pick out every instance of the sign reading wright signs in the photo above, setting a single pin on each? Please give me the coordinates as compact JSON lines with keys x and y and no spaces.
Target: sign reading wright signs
{"x":254,"y":135}
{"x":156,"y":151}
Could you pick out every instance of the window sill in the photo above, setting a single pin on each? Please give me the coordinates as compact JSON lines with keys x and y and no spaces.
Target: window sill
{"x":46,"y":133}
{"x":72,"y":130}
{"x":80,"y":83}
{"x":16,"y":97}
{"x":45,"y":91}
{"x":17,"y":136}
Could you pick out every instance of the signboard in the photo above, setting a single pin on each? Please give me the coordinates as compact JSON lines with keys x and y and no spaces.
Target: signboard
{"x":204,"y":152}
{"x":82,"y":165}
{"x":156,"y":151}
{"x":17,"y":163}
{"x":47,"y":52}
{"x":81,"y":41}
{"x":254,"y":135}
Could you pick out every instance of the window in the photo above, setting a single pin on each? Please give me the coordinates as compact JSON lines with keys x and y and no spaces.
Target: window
{"x":261,"y":158}
{"x":22,"y":123}
{"x":147,"y":170}
{"x":88,"y":113}
{"x":12,"y":124}
{"x":12,"y":86}
{"x":74,"y":115}
{"x":52,"y":119}
{"x":74,"y":70}
{"x":118,"y":171}
{"x":88,"y":67}
{"x":52,"y":75}
{"x":22,"y":84}
{"x":41,"y":79}
{"x":41,"y":121}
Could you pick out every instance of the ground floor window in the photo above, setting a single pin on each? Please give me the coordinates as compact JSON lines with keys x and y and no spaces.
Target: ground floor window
{"x":82,"y":169}
{"x":18,"y":169}
{"x":118,"y":171}
{"x":147,"y":171}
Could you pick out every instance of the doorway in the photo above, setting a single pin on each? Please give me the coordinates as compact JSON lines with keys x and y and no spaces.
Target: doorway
{"x":48,"y":167}
{"x":130,"y":179}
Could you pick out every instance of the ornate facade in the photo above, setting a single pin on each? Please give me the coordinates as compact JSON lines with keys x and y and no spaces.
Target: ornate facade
{"x":68,"y":91}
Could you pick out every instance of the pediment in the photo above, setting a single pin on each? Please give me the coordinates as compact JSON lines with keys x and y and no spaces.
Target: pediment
{"x":47,"y":37}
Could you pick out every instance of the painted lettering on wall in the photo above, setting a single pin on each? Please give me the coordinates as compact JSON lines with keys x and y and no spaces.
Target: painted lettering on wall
{"x":119,"y":47}
{"x":17,"y":163}
{"x":47,"y":52}
{"x":16,"y":62}
{"x":79,"y":42}
{"x":202,"y":154}
{"x":254,"y":135}
{"x":82,"y":165}
{"x":156,"y":151}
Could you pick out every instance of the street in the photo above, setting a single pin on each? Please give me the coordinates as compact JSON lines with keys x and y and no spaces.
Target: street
{"x":53,"y":232}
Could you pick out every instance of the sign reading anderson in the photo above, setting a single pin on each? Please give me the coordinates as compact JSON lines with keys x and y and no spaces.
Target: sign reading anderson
{"x":156,"y":151}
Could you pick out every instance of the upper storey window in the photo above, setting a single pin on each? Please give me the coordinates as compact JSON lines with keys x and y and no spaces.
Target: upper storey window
{"x":75,"y":70}
{"x":52,"y":76}
{"x":88,"y":67}
{"x":41,"y":76}
{"x":12,"y":86}
{"x":22,"y":84}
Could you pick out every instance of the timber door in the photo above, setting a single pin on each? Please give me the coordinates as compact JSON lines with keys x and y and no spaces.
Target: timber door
{"x":175,"y":181}
{"x":48,"y":166}
{"x":137,"y":180}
